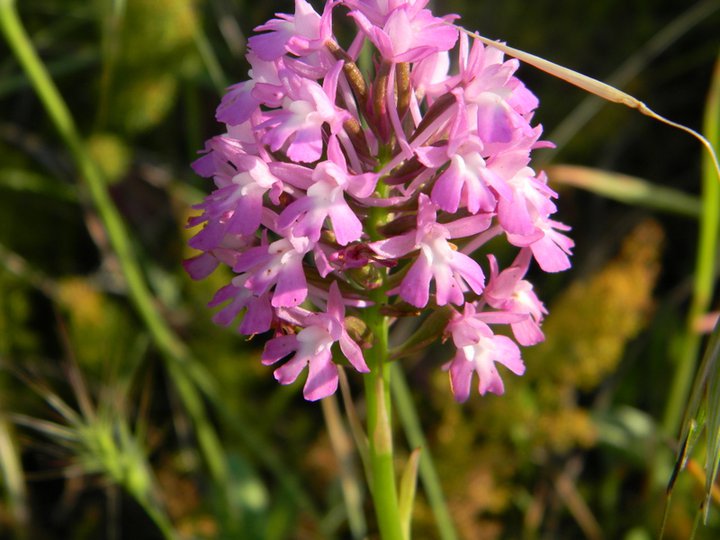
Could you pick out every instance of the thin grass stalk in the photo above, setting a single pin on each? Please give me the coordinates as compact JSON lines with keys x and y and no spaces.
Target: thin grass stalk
{"x":180,"y":364}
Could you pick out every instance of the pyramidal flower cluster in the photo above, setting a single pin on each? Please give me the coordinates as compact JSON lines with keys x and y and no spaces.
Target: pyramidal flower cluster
{"x":338,"y":189}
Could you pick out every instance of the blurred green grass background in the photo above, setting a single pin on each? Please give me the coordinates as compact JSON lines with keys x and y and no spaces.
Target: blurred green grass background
{"x":106,"y":433}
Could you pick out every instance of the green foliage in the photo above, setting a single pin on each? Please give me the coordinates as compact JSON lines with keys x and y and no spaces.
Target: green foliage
{"x":573,"y":447}
{"x":148,"y":54}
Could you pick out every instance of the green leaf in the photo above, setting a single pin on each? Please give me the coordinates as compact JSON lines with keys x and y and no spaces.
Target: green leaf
{"x":712,"y":459}
{"x":626,"y":189}
{"x":429,"y":332}
{"x":26,"y":181}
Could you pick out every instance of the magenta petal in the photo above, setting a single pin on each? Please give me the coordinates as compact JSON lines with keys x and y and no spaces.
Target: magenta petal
{"x":201,"y":266}
{"x":363,"y":185}
{"x":291,"y":288}
{"x":346,"y":225}
{"x":322,"y":263}
{"x":293,"y":174}
{"x":469,"y":270}
{"x":237,"y":105}
{"x":394,"y":247}
{"x":209,"y":238}
{"x":247,"y":214}
{"x":502,"y":285}
{"x":268,"y":46}
{"x":514,"y":216}
{"x":335,"y":306}
{"x":278,"y":348}
{"x":223,"y":294}
{"x":353,"y":353}
{"x":294,"y":211}
{"x":432,"y":156}
{"x":461,"y":372}
{"x":446,"y":287}
{"x":307,"y":145}
{"x":549,"y":255}
{"x":508,"y":354}
{"x":289,"y":372}
{"x":238,"y":302}
{"x":527,"y":332}
{"x":205,"y":165}
{"x":322,"y":378}
{"x":258,"y":317}
{"x":447,"y":189}
{"x":494,"y":121}
{"x":469,"y":226}
{"x":490,"y":381}
{"x":415,"y":286}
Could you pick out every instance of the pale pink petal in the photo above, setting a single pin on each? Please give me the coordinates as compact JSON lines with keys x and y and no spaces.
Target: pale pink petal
{"x":489,"y":380}
{"x":448,"y":187}
{"x":278,"y":348}
{"x":291,"y":288}
{"x":415,"y":286}
{"x":335,"y":306}
{"x":461,"y":373}
{"x":290,"y":370}
{"x":322,"y":378}
{"x":469,"y":270}
{"x":507,"y":353}
{"x":394,"y":247}
{"x":447,"y":288}
{"x":527,"y":332}
{"x":258,"y":316}
{"x":353,"y":353}
{"x":200,"y":266}
{"x":307,"y":145}
{"x":346,"y":225}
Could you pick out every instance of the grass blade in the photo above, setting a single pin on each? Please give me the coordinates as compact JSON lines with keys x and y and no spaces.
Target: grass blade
{"x":626,"y":189}
{"x":712,"y":458}
{"x":349,"y":481}
{"x":408,"y":484}
{"x":11,"y":473}
{"x":187,"y":375}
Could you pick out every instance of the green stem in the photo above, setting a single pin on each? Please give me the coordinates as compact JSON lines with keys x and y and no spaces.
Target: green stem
{"x":377,"y":392}
{"x":705,"y":265}
{"x":428,"y":474}
{"x":185,"y":373}
{"x":380,"y":444}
